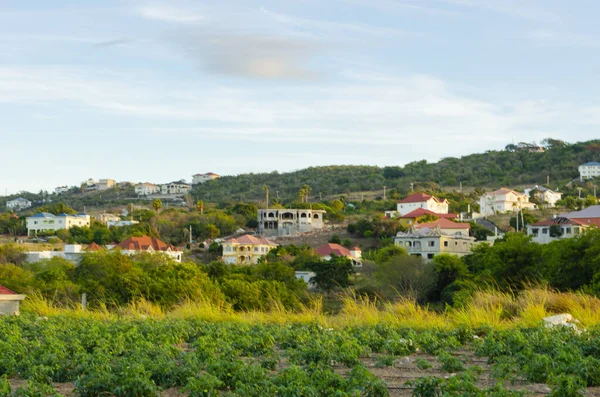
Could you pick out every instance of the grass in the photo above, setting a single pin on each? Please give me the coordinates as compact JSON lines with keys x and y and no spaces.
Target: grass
{"x":487,"y":308}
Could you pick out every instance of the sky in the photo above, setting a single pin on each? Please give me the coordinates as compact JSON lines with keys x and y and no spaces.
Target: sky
{"x":160,"y":90}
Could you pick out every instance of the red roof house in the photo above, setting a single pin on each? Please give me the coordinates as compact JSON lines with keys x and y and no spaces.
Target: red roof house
{"x":9,"y":301}
{"x":327,"y":250}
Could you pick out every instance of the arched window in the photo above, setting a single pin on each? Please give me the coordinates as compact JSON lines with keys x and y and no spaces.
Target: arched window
{"x":271,"y":215}
{"x":316,"y":216}
{"x":303,"y":215}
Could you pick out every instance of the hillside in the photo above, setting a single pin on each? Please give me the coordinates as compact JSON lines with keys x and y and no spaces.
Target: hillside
{"x":510,"y":167}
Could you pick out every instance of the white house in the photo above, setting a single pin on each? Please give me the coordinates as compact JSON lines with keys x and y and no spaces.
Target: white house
{"x":327,"y":250}
{"x":427,"y":243}
{"x":246,"y":249}
{"x":544,"y":194}
{"x":61,"y":189}
{"x":136,"y":245}
{"x":422,"y":200}
{"x":175,"y":188}
{"x":45,"y":222}
{"x":106,"y":217}
{"x":18,"y":204}
{"x":289,"y":222}
{"x":504,"y":200}
{"x":306,"y":276}
{"x":9,"y":302}
{"x":201,"y":178}
{"x":589,"y":170}
{"x":544,"y":232}
{"x":146,"y":189}
{"x":71,"y":252}
{"x":105,"y":184}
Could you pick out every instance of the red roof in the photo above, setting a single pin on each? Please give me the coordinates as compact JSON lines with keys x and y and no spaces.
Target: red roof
{"x":250,"y":240}
{"x":330,"y":248}
{"x":416,"y":198}
{"x":560,"y":221}
{"x":93,"y":247}
{"x":143,"y":243}
{"x":6,"y":291}
{"x":423,"y":212}
{"x":443,"y":224}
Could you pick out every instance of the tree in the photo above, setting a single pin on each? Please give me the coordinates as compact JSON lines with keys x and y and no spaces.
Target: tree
{"x":448,"y":269}
{"x":157,"y":205}
{"x":332,"y":273}
{"x":407,"y":275}
{"x":200,"y":206}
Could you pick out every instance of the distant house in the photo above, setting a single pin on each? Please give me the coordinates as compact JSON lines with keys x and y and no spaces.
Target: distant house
{"x":589,"y":170}
{"x":136,"y":245}
{"x":9,"y":302}
{"x":546,"y":231}
{"x":289,"y":222}
{"x":46,"y":222}
{"x":61,"y":189}
{"x":446,"y":226}
{"x":419,"y":214}
{"x":175,"y":188}
{"x":201,"y":178}
{"x":588,"y":216}
{"x":544,"y":194}
{"x":105,"y":184}
{"x":326,"y":251}
{"x":106,"y":217}
{"x":246,"y":249}
{"x":146,"y":189}
{"x":427,"y":243}
{"x":306,"y":276}
{"x":504,"y":200}
{"x":90,"y":185}
{"x":424,"y":201}
{"x":71,"y":252}
{"x":18,"y":204}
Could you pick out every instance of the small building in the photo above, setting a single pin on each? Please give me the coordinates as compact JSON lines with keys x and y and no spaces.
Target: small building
{"x":306,"y":276}
{"x":326,"y":251}
{"x":202,"y":178}
{"x":18,"y":204}
{"x":588,"y":216}
{"x":289,"y":222}
{"x":246,"y":249}
{"x":589,"y":170}
{"x":544,"y":194}
{"x":61,"y":189}
{"x":106,"y":217}
{"x":71,"y":252}
{"x":45,"y":222}
{"x":549,"y":230}
{"x":175,"y":188}
{"x":136,"y":245}
{"x":446,"y":226}
{"x":105,"y":184}
{"x":419,"y":214}
{"x":9,"y":302}
{"x":146,"y":189}
{"x":427,"y":243}
{"x":421,"y":200}
{"x":504,"y":200}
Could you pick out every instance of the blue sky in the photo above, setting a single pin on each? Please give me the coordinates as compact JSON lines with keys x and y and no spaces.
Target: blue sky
{"x":158,"y":91}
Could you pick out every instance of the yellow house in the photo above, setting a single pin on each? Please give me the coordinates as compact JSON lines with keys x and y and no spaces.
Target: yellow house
{"x":246,"y":249}
{"x":416,"y":216}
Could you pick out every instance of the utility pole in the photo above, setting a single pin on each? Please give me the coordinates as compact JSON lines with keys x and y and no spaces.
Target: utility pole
{"x":460,"y":186}
{"x":384,"y":193}
{"x":579,"y":192}
{"x":320,"y":196}
{"x":190,"y":236}
{"x":266,"y":189}
{"x":412,"y":187}
{"x":548,"y":180}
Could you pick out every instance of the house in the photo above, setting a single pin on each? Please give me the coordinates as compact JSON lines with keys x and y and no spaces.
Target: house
{"x":306,"y":276}
{"x":588,"y":216}
{"x":44,"y":222}
{"x":175,"y":188}
{"x":201,"y":178}
{"x":106,"y":217}
{"x":61,"y":189}
{"x":90,"y":185}
{"x":136,"y":245}
{"x":9,"y":302}
{"x":71,"y":252}
{"x":544,"y":194}
{"x":589,"y":170}
{"x":327,"y":250}
{"x":419,"y":214}
{"x":105,"y":184}
{"x":246,"y":249}
{"x":18,"y":204}
{"x":146,"y":189}
{"x":427,"y":243}
{"x":289,"y":222}
{"x":446,"y":226}
{"x":422,"y":200}
{"x":502,"y":201}
{"x":544,"y":232}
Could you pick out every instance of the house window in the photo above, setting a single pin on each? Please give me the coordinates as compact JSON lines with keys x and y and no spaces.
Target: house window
{"x":255,"y":249}
{"x":227,"y":249}
{"x":429,"y":256}
{"x":445,"y":243}
{"x":544,"y":231}
{"x":431,"y":243}
{"x":535,"y":231}
{"x":456,"y":243}
{"x":568,"y":230}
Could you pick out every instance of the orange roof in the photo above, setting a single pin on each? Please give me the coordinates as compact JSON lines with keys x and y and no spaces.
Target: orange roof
{"x":416,"y":198}
{"x":250,"y":240}
{"x":422,"y":212}
{"x":143,"y":243}
{"x":443,"y":224}
{"x":93,"y":247}
{"x":6,"y":291}
{"x":330,"y":248}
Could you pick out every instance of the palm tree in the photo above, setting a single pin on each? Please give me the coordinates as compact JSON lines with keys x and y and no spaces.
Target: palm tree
{"x":200,"y":206}
{"x":157,"y":205}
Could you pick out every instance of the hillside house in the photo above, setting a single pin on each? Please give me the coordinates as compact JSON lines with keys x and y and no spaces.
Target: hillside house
{"x":9,"y":302}
{"x":326,"y":251}
{"x":202,"y":178}
{"x":427,"y":243}
{"x":419,"y":214}
{"x":136,"y":245}
{"x":421,"y":200}
{"x":446,"y":226}
{"x":549,"y":230}
{"x":18,"y":204}
{"x":289,"y":222}
{"x":71,"y":252}
{"x":175,"y":188}
{"x":306,"y":276}
{"x":544,"y":194}
{"x":106,"y":217}
{"x":589,"y":170}
{"x":105,"y":184}
{"x":588,"y":216}
{"x":146,"y":189}
{"x":44,"y":222}
{"x":61,"y":189}
{"x":246,"y":249}
{"x":502,"y":201}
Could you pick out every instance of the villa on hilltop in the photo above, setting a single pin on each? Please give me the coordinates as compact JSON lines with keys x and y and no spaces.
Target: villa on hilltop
{"x":289,"y":222}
